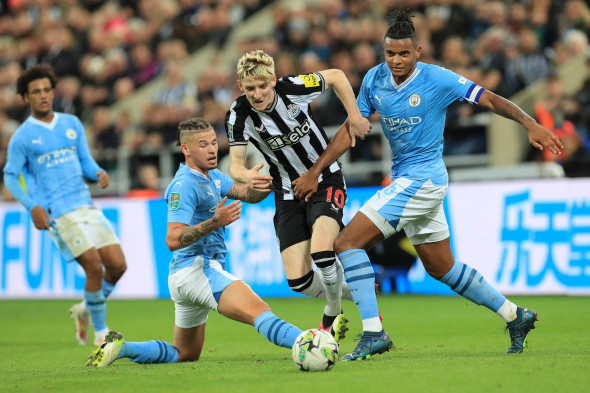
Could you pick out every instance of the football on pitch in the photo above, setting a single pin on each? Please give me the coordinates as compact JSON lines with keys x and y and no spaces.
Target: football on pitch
{"x":315,"y":350}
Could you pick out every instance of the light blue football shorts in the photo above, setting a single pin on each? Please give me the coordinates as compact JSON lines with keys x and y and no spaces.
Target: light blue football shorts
{"x":196,"y":289}
{"x":81,"y":229}
{"x":415,"y":206}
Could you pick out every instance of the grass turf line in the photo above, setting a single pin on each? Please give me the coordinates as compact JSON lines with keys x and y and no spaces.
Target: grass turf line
{"x":443,"y":344}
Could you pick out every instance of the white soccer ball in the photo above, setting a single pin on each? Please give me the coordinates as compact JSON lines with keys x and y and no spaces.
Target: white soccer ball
{"x":315,"y":350}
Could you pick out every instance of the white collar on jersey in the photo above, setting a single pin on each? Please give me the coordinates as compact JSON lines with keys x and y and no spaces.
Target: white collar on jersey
{"x":407,"y":81}
{"x":199,"y":174}
{"x":49,"y":126}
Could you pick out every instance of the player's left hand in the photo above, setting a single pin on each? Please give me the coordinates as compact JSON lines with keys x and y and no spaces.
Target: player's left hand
{"x":540,"y":137}
{"x":305,"y":186}
{"x":103,"y":179}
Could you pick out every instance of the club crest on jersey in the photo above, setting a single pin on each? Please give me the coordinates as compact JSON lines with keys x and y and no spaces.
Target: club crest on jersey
{"x":293,"y":110}
{"x":174,"y":200}
{"x":70,"y":133}
{"x":414,"y":100}
{"x":217,"y":183}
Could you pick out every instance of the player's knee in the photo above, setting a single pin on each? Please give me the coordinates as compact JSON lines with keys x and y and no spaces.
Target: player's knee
{"x":93,"y":269}
{"x":341,"y":245}
{"x":115,"y":272}
{"x":188,"y":356}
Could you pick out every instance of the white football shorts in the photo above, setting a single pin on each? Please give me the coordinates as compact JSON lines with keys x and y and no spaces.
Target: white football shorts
{"x":196,"y":289}
{"x":412,"y":205}
{"x":78,"y":231}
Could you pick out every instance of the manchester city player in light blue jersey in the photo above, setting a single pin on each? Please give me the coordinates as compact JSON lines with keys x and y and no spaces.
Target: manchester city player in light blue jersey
{"x":411,"y":99}
{"x":197,"y":216}
{"x":50,"y":150}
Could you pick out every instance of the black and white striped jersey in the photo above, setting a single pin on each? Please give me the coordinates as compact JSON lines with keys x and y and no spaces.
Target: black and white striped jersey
{"x":286,"y":134}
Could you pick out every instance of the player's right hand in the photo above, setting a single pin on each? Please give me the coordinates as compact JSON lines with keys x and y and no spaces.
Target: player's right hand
{"x":40,"y":217}
{"x":305,"y":186}
{"x":225,"y":215}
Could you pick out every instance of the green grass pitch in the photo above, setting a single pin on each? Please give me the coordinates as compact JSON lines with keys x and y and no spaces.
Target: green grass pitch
{"x":443,"y":344}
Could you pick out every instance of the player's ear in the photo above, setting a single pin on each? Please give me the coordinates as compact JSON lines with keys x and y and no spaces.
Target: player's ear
{"x":273,"y":82}
{"x":418,"y":52}
{"x":240,"y":85}
{"x":184,"y":149}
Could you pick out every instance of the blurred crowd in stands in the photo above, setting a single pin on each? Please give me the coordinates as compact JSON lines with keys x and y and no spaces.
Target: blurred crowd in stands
{"x":103,"y":51}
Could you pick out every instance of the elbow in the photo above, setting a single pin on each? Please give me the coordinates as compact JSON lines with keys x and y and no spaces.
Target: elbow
{"x":171,"y":244}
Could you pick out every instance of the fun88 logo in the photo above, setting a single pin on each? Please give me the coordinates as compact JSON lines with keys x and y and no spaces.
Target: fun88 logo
{"x":545,"y":240}
{"x":31,"y":265}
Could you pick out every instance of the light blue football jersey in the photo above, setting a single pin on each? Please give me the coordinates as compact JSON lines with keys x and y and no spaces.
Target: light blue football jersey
{"x":54,"y":159}
{"x":192,"y":198}
{"x":412,"y":115}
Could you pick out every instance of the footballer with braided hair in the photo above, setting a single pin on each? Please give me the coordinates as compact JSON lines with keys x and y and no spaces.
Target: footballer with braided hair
{"x":411,"y":99}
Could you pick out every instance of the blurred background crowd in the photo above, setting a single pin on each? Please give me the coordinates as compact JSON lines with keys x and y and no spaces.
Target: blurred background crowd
{"x":104,"y":51}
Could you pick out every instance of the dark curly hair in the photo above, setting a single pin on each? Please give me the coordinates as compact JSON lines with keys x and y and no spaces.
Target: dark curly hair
{"x":191,"y":127}
{"x":39,"y":71}
{"x":401,"y":25}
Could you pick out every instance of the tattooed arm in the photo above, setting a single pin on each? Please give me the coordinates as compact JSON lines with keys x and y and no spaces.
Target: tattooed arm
{"x":246,"y":193}
{"x":539,"y":136}
{"x":180,"y":235}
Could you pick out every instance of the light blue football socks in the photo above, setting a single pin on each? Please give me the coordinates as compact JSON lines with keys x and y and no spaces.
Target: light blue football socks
{"x":95,"y":301}
{"x":107,"y":288}
{"x":360,"y":277}
{"x":154,"y":351}
{"x":276,"y":330}
{"x":469,"y":283}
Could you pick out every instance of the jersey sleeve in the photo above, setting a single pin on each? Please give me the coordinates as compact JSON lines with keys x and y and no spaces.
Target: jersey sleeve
{"x":453,"y":87}
{"x":182,"y":202}
{"x":15,"y":162}
{"x":235,"y":124}
{"x":364,"y":98}
{"x":225,"y":182}
{"x":89,"y":166}
{"x":303,"y":89}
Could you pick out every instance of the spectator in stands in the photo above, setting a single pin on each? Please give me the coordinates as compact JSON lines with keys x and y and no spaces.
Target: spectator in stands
{"x":552,"y":114}
{"x":104,"y":132}
{"x":176,"y":99}
{"x":529,"y":64}
{"x":148,"y":186}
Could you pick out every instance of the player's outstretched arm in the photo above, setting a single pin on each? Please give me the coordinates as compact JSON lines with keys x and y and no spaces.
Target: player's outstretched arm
{"x":359,"y":125}
{"x":180,"y":235}
{"x":248,"y":194}
{"x":241,"y":174}
{"x":539,"y":136}
{"x":307,"y":184}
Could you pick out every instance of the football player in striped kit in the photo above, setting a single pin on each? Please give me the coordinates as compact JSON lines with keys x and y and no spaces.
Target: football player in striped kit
{"x":411,"y":98}
{"x":275,"y":116}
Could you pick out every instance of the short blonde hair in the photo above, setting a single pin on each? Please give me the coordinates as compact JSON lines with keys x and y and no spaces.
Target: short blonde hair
{"x":188,"y":128}
{"x":256,"y":64}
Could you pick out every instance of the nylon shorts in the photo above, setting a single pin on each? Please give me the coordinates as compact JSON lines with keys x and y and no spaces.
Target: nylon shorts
{"x":196,"y":289}
{"x":78,"y":231}
{"x":294,"y":219}
{"x":412,"y":205}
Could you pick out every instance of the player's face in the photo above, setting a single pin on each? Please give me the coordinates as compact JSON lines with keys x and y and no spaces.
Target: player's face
{"x":401,"y":57}
{"x":40,"y":97}
{"x":259,"y":92}
{"x":201,"y":151}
